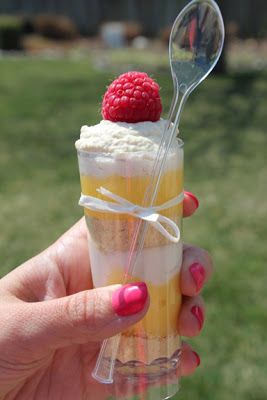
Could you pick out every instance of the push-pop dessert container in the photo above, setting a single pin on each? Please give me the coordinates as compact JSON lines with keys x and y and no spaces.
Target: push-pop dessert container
{"x":113,"y":184}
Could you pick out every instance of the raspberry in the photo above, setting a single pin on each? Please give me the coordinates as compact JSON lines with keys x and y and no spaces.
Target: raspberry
{"x":132,"y":97}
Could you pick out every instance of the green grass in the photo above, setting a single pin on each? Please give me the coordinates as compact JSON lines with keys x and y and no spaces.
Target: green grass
{"x":44,"y":103}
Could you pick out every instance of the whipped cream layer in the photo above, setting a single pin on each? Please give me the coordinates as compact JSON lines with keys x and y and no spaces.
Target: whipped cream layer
{"x":126,"y":149}
{"x":156,"y":265}
{"x":121,"y":137}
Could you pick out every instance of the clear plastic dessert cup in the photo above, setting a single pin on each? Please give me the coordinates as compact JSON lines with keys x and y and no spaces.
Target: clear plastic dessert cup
{"x":148,"y":355}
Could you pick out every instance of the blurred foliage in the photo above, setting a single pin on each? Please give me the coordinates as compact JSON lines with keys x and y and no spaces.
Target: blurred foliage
{"x":10,"y":32}
{"x":54,"y":27}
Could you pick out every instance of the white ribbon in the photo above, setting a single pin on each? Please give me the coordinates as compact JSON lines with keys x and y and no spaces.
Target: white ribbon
{"x":123,"y":206}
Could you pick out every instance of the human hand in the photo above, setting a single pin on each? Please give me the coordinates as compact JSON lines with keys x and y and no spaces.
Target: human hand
{"x":53,"y":321}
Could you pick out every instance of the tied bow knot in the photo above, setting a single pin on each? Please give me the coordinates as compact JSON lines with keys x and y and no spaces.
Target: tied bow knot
{"x":123,"y":206}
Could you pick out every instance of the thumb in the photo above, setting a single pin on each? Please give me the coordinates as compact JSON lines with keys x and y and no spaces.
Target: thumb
{"x":91,"y":315}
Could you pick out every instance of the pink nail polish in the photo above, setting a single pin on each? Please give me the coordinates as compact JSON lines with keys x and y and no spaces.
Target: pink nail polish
{"x":193,"y":197}
{"x":198,"y":314}
{"x":197,"y":358}
{"x":198,"y":273}
{"x":130,"y":299}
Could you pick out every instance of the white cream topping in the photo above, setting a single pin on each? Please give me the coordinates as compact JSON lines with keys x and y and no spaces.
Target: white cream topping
{"x":121,"y":137}
{"x":123,"y":149}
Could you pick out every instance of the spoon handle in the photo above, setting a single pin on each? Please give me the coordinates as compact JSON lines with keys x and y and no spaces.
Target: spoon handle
{"x":166,"y":142}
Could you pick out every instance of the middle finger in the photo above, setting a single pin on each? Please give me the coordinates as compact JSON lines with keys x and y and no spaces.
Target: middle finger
{"x":196,"y":270}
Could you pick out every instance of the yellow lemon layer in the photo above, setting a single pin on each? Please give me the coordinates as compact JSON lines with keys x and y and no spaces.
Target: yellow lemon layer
{"x":133,"y":189}
{"x":165,"y":301}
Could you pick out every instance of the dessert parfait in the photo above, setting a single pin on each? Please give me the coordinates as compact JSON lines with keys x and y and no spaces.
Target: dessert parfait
{"x":116,"y":160}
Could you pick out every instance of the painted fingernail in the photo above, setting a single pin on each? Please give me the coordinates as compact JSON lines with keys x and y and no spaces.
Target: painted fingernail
{"x":129,"y":299}
{"x":193,"y":197}
{"x":198,"y":314}
{"x":199,"y":274}
{"x":197,"y":358}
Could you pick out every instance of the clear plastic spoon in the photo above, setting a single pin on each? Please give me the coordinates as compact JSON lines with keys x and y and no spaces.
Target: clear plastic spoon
{"x":195,"y":45}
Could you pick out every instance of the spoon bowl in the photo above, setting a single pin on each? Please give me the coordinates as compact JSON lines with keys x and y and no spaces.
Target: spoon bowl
{"x":196,"y":43}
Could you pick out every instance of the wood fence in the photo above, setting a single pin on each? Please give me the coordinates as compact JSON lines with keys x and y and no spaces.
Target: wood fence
{"x":249,"y":15}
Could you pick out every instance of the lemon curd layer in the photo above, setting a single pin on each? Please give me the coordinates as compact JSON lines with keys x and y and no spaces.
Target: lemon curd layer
{"x":165,"y":302}
{"x":133,"y":189}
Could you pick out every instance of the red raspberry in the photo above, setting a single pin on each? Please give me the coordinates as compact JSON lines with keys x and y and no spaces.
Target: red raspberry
{"x":132,"y":97}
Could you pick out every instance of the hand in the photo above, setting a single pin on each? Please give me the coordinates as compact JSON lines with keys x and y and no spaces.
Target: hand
{"x":52,"y":320}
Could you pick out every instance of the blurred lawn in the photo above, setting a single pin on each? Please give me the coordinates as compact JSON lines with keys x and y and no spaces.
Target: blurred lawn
{"x":44,"y":103}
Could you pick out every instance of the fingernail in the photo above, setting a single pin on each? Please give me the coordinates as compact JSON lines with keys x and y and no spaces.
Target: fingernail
{"x":193,"y":197}
{"x":129,"y":299}
{"x":197,"y":358}
{"x":198,"y":273}
{"x":198,"y":314}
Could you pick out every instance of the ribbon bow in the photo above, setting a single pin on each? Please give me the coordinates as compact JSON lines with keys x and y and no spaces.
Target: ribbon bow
{"x":123,"y":206}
